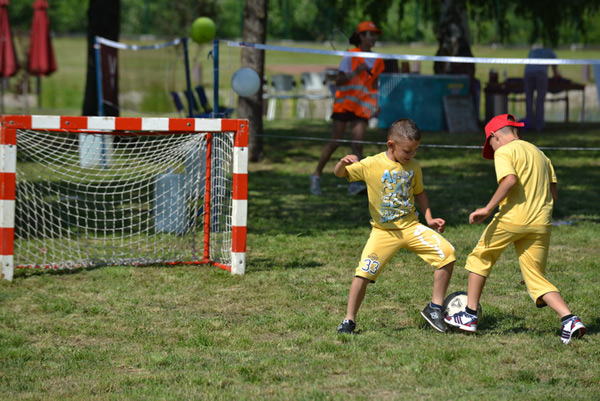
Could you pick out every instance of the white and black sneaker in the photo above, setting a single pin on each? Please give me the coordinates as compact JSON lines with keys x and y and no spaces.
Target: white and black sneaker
{"x":434,"y":317}
{"x":463,"y":320}
{"x":571,"y":328}
{"x":347,"y":327}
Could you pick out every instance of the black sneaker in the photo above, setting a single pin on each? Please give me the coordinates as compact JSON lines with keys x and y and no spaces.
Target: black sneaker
{"x":347,"y":327}
{"x":435,"y":318}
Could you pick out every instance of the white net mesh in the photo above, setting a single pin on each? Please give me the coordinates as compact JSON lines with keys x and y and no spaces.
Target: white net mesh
{"x":88,"y":200}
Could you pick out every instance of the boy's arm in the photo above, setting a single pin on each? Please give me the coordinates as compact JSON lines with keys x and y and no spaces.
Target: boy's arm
{"x":503,"y":189}
{"x":340,"y":168}
{"x":423,"y":201}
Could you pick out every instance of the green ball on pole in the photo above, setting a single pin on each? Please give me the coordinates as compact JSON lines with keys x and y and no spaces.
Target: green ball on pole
{"x":203,"y":30}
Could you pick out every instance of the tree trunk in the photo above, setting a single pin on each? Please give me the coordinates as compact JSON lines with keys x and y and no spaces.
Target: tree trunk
{"x":453,"y":39}
{"x":103,"y":20}
{"x":452,"y":33}
{"x":251,"y":107}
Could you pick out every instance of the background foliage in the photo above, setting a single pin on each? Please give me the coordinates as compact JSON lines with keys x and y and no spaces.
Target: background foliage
{"x":490,"y":21}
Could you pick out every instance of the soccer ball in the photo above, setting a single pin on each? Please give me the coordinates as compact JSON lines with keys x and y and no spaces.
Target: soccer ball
{"x":456,"y":302}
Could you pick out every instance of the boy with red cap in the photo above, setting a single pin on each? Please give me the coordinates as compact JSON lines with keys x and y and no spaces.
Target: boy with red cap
{"x":525,"y":196}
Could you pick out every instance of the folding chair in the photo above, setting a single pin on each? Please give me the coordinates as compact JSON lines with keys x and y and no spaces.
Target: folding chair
{"x":222,"y":112}
{"x":314,"y":89}
{"x":284,"y":87}
{"x":178,"y":103}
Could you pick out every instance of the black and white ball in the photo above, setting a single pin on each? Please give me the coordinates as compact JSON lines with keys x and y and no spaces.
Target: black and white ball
{"x":457,"y":302}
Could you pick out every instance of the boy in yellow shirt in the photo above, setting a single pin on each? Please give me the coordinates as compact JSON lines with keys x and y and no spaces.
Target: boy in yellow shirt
{"x":394,"y":181}
{"x":525,"y":196}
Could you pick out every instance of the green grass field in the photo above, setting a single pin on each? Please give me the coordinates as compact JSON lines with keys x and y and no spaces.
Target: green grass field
{"x":118,"y":333}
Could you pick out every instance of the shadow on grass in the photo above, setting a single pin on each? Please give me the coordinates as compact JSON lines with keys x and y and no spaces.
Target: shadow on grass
{"x":22,"y":274}
{"x":592,"y":326}
{"x":503,"y":323}
{"x":264,"y":264}
{"x":457,"y":181}
{"x":279,"y":203}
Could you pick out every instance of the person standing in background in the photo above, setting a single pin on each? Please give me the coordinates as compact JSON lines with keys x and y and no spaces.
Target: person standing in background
{"x":355,"y":101}
{"x":536,"y":80}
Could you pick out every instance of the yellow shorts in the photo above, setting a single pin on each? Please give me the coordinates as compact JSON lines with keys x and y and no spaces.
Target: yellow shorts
{"x":383,"y":244}
{"x":532,"y":251}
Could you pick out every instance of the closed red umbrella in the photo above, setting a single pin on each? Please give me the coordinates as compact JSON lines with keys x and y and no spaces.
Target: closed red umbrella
{"x":41,"y":53}
{"x":8,"y":57}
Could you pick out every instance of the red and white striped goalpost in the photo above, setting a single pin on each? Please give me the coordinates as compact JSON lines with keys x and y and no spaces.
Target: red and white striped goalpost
{"x":13,"y":126}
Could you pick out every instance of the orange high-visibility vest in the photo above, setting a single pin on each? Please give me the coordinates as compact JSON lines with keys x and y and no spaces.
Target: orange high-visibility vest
{"x":359,"y":95}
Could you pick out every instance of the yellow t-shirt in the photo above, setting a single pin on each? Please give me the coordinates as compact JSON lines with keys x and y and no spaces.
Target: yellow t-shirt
{"x":529,"y":203}
{"x":391,"y":187}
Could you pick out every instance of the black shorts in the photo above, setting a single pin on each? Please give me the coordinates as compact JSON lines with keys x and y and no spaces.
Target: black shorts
{"x":347,"y":117}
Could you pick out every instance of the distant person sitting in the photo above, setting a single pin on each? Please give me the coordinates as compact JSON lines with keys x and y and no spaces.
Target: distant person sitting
{"x":536,"y":80}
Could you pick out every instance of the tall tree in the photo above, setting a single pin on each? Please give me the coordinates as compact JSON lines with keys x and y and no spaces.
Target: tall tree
{"x":452,"y":32}
{"x":103,"y":20}
{"x":251,"y":108}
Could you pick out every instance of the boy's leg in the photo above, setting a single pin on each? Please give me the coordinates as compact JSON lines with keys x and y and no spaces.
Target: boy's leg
{"x":358,"y":289}
{"x":555,"y":301}
{"x":379,"y":249}
{"x":571,"y":324}
{"x":476,"y":283}
{"x":532,"y":251}
{"x":467,"y":320}
{"x":492,"y":243}
{"x":434,"y":249}
{"x":441,"y":279}
{"x":433,"y":313}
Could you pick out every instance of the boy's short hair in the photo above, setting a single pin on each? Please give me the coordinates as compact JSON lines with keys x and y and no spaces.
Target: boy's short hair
{"x":404,"y":128}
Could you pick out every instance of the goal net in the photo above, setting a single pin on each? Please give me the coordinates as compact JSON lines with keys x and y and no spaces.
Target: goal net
{"x":82,"y":192}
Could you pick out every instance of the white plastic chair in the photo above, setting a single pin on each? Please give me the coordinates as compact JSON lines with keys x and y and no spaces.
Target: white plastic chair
{"x":314,"y":89}
{"x":283,"y":88}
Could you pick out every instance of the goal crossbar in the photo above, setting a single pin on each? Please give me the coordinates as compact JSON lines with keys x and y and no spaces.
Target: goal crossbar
{"x":93,"y":191}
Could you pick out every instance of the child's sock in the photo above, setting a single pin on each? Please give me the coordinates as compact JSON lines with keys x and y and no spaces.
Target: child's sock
{"x":431,"y":304}
{"x":565,"y":318}
{"x":471,"y":311}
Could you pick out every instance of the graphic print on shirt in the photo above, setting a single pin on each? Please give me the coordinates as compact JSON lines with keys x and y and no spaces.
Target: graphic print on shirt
{"x":395,"y":195}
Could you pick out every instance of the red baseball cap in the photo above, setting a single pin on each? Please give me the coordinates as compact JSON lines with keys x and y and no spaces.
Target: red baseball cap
{"x":496,"y":123}
{"x":367,"y":26}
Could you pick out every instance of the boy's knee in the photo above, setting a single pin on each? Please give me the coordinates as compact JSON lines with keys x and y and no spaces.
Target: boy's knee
{"x":449,"y":267}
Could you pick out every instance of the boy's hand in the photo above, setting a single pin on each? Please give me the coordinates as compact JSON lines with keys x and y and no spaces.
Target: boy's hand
{"x":340,"y":168}
{"x":348,"y":160}
{"x":479,"y":215}
{"x":437,"y":224}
